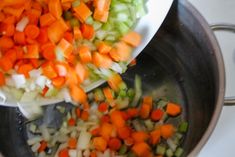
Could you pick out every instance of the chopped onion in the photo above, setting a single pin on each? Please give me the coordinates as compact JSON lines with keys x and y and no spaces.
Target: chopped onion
{"x":34,"y":140}
{"x":35,"y":147}
{"x":117,"y":68}
{"x":66,"y":95}
{"x":41,"y":81}
{"x":45,"y":133}
{"x":35,"y":73}
{"x":19,"y":80}
{"x":72,"y":153}
{"x":84,"y":140}
{"x":20,"y":26}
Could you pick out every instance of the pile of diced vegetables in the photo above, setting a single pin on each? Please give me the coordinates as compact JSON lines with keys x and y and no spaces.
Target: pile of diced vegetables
{"x":49,"y":46}
{"x":118,"y":123}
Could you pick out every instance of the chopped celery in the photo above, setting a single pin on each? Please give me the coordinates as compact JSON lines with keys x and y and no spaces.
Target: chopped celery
{"x":67,"y":15}
{"x":97,"y":25}
{"x":122,"y":150}
{"x":17,"y":93}
{"x":183,"y":127}
{"x":75,"y":3}
{"x":74,"y":22}
{"x":51,"y":92}
{"x":122,"y":93}
{"x":179,"y":151}
{"x":131,"y":93}
{"x":138,"y":91}
{"x":98,"y":94}
{"x":131,"y":154}
{"x":141,"y":11}
{"x":123,"y":86}
{"x":123,"y":28}
{"x":122,"y":103}
{"x":162,"y":103}
{"x":149,"y":124}
{"x":169,"y":152}
{"x":161,"y":149}
{"x":90,"y":20}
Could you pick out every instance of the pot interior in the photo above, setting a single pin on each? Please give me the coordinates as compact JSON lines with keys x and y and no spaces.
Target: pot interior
{"x":177,"y":64}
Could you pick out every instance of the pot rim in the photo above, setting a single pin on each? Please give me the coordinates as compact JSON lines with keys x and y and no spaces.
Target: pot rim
{"x":221,"y":77}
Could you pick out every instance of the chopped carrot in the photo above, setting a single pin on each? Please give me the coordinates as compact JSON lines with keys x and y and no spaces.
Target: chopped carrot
{"x":114,"y":144}
{"x":6,"y":42}
{"x":99,"y":143}
{"x":156,"y":114}
{"x":101,"y":60}
{"x":155,"y":136}
{"x":114,"y":81}
{"x":125,"y":116}
{"x":103,"y":107}
{"x":117,"y":119}
{"x":141,"y":149}
{"x":11,"y":54}
{"x":5,"y":64}
{"x":7,"y":29}
{"x":64,"y":153}
{"x":82,"y":12}
{"x":173,"y":109}
{"x":139,"y":136}
{"x":55,"y":8}
{"x":105,"y":119}
{"x":9,"y":20}
{"x":66,"y":5}
{"x":71,"y":122}
{"x":56,"y":30}
{"x":45,"y":90}
{"x":106,"y":130}
{"x":33,"y":16}
{"x":129,"y":141}
{"x":47,"y":19}
{"x":101,"y":15}
{"x":2,"y":79}
{"x":120,"y":52}
{"x":148,"y":100}
{"x":31,"y":41}
{"x":77,"y":33}
{"x":66,"y":47}
{"x":35,"y":62}
{"x":124,"y":132}
{"x":19,"y":37}
{"x":43,"y":146}
{"x":31,"y":31}
{"x":32,"y":51}
{"x":132,"y":112}
{"x":71,"y":77}
{"x":84,"y":54}
{"x":85,"y":115}
{"x":17,"y":12}
{"x":95,"y":132}
{"x":58,"y":82}
{"x":48,"y":51}
{"x":42,"y":37}
{"x":72,"y":143}
{"x":167,"y":130}
{"x":81,"y":72}
{"x":103,"y":48}
{"x":132,"y":38}
{"x":93,"y":154}
{"x":108,"y":93}
{"x":87,"y":31}
{"x":145,"y":110}
{"x":2,"y":16}
{"x":68,"y":36}
{"x":78,"y":112}
{"x":78,"y":94}
{"x":102,"y":4}
{"x":25,"y":69}
{"x":48,"y":70}
{"x":19,"y":52}
{"x":61,"y":68}
{"x":133,"y":62}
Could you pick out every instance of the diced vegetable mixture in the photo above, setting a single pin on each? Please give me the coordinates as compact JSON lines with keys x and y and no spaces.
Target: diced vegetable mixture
{"x":112,"y":126}
{"x":49,"y":47}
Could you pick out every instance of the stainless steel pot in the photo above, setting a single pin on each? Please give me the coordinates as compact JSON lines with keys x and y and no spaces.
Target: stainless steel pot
{"x":183,"y":62}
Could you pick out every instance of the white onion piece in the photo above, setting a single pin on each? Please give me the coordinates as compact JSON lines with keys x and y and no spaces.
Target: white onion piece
{"x":35,"y":73}
{"x":117,"y":68}
{"x":19,"y":80}
{"x":34,"y":140}
{"x":35,"y":147}
{"x":66,"y":95}
{"x":84,"y":140}
{"x":41,"y":81}
{"x":20,"y":26}
{"x":72,"y":153}
{"x":45,"y":132}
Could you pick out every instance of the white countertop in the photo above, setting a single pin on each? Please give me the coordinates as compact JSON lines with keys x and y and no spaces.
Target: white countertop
{"x":222,"y":140}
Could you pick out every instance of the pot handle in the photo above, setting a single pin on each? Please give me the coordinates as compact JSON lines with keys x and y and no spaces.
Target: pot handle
{"x":229,"y":28}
